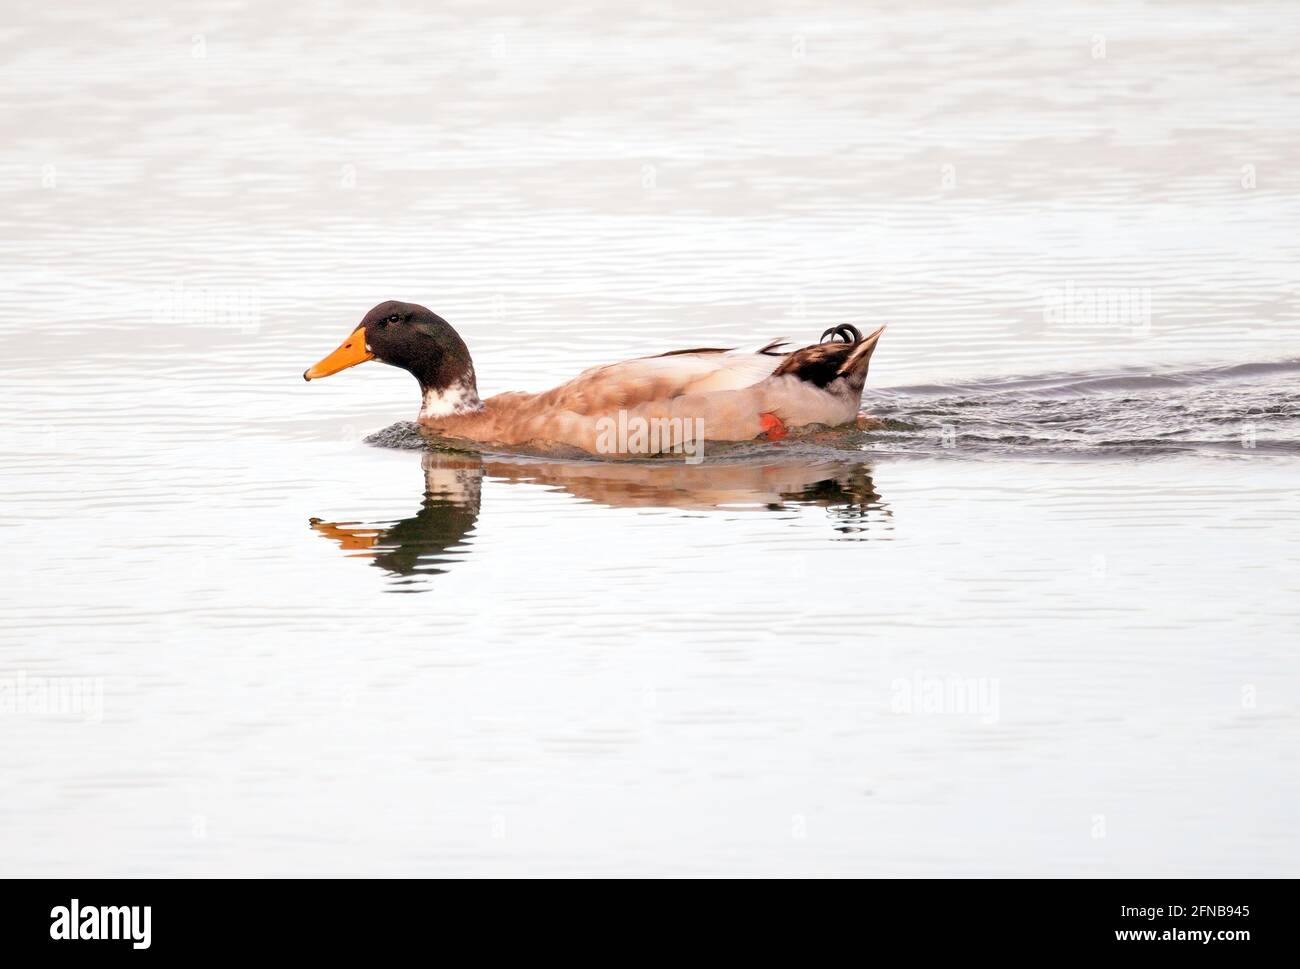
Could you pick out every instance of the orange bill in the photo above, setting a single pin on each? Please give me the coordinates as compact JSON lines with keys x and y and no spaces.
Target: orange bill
{"x":351,"y":352}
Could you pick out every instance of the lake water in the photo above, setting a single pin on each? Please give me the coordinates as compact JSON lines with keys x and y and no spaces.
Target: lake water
{"x":1044,"y":621}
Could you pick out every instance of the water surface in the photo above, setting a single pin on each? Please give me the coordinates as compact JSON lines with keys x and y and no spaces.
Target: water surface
{"x":1077,"y":529}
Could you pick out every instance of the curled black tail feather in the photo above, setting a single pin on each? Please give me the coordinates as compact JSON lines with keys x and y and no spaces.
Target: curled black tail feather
{"x":845,"y":331}
{"x":846,"y":355}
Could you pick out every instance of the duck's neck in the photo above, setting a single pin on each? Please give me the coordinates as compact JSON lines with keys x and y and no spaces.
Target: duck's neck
{"x":460,"y":396}
{"x":447,"y":383}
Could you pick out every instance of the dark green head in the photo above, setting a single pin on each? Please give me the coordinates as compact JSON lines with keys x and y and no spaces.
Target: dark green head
{"x":409,"y":336}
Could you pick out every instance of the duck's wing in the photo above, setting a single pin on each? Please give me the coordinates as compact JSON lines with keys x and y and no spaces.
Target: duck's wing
{"x":663,"y":377}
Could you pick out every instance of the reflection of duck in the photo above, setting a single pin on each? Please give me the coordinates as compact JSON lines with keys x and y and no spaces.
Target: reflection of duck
{"x":440,"y":532}
{"x":738,"y":485}
{"x":670,"y":402}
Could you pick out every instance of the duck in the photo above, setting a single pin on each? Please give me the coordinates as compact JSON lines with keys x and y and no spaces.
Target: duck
{"x":666,"y":402}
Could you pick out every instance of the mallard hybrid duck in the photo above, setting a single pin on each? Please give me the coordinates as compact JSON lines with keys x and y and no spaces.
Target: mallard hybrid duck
{"x":702,"y":394}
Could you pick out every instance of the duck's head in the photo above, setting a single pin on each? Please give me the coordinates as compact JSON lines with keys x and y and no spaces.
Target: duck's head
{"x":419,"y":341}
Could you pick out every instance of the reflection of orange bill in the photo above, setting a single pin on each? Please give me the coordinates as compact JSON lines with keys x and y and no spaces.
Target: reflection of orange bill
{"x":351,"y":538}
{"x":351,"y":352}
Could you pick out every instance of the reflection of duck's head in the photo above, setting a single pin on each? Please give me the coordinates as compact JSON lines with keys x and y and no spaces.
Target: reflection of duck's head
{"x":440,"y":532}
{"x":429,"y":541}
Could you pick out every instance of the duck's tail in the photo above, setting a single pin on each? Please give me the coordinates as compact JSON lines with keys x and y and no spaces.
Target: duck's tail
{"x":846,"y":353}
